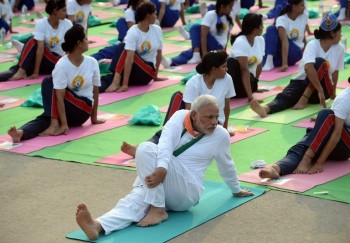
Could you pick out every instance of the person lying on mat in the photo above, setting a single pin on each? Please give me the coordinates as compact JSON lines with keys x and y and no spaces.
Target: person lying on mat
{"x":136,"y":61}
{"x":42,"y":51}
{"x":318,"y":75}
{"x":211,"y":35}
{"x":170,"y":175}
{"x":123,"y":25}
{"x":328,"y":140}
{"x":70,"y":96}
{"x":212,"y":78}
{"x":169,"y":12}
{"x":285,"y":40}
{"x":248,"y":49}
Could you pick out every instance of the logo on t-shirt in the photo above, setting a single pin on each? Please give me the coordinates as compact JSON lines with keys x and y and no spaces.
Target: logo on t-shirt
{"x":252,"y":61}
{"x":53,"y":42}
{"x":77,"y":83}
{"x":294,"y":34}
{"x":145,"y":48}
{"x":79,"y":17}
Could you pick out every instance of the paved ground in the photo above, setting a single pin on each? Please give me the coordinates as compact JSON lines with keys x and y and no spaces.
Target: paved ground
{"x":38,"y":198}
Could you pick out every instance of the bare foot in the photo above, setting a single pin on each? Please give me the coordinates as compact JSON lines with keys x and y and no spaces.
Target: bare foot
{"x":50,"y":131}
{"x":20,"y":74}
{"x":302,"y":103}
{"x":15,"y":134}
{"x":2,"y":105}
{"x":257,"y":108}
{"x":112,"y":87}
{"x":303,"y":166}
{"x":122,"y":88}
{"x":61,"y":130}
{"x":316,"y":168}
{"x":90,"y":226}
{"x":128,"y":149}
{"x":153,"y":217}
{"x":269,"y":172}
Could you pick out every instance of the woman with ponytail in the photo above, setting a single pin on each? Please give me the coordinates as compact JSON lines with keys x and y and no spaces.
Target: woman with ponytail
{"x":285,"y":40}
{"x":318,"y":75}
{"x":70,"y":96}
{"x":42,"y":51}
{"x":247,"y":52}
{"x":212,"y":34}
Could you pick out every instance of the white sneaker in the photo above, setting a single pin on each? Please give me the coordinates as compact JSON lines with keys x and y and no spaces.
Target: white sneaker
{"x":18,"y":45}
{"x":268,"y":64}
{"x":196,"y":58}
{"x":115,"y":2}
{"x":184,"y":33}
{"x":166,"y":62}
{"x":341,"y":14}
{"x":203,"y":8}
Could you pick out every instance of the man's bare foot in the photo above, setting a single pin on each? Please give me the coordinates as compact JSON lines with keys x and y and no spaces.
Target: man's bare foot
{"x":302,"y":103}
{"x":128,"y":149}
{"x":20,"y":74}
{"x":316,"y":168}
{"x":270,"y":171}
{"x":90,"y":226}
{"x":303,"y":166}
{"x":257,"y":108}
{"x":153,"y":217}
{"x":50,"y":131}
{"x":15,"y":134}
{"x":112,"y":87}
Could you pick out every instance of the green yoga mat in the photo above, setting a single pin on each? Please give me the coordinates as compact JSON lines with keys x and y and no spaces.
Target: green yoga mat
{"x":216,"y":200}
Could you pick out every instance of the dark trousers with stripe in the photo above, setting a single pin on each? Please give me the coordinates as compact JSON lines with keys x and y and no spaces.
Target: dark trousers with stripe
{"x":142,"y":72}
{"x":176,"y":103}
{"x":316,"y":138}
{"x":78,"y":110}
{"x":28,"y":55}
{"x":295,"y":89}
{"x":234,"y":69}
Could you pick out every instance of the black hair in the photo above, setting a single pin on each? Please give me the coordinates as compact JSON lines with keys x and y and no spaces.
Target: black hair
{"x":53,"y":5}
{"x":219,"y":24}
{"x":250,"y":22}
{"x":210,"y":60}
{"x":322,"y":34}
{"x":143,"y":9}
{"x":75,"y":34}
{"x":133,"y":4}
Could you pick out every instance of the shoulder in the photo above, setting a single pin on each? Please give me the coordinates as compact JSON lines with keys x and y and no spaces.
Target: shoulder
{"x":156,"y":28}
{"x":222,"y":135}
{"x":210,"y":15}
{"x":260,"y":39}
{"x":91,"y":60}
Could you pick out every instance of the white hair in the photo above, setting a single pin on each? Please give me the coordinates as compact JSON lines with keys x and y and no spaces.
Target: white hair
{"x":203,"y":100}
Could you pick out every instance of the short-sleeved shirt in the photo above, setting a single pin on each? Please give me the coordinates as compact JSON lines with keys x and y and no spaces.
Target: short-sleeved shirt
{"x":341,"y":106}
{"x":81,"y":80}
{"x":210,"y":19}
{"x":223,"y":88}
{"x":80,"y":12}
{"x":173,"y":4}
{"x":52,"y":38}
{"x":146,"y":44}
{"x":295,"y":29}
{"x":254,"y":54}
{"x":129,"y":15}
{"x":334,"y":57}
{"x":6,"y":11}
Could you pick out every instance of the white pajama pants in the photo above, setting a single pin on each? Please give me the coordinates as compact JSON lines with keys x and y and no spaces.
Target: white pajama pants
{"x":179,"y":191}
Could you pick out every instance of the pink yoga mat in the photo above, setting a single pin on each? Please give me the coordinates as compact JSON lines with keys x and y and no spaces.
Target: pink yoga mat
{"x":98,"y":41}
{"x":186,"y":68}
{"x":20,"y":83}
{"x":172,"y":48}
{"x":7,"y":59}
{"x":101,"y":14}
{"x":28,"y":146}
{"x":343,"y":84}
{"x":301,"y":182}
{"x":10,"y":102}
{"x":305,"y":124}
{"x":123,"y":159}
{"x":107,"y":98}
{"x":274,"y":74}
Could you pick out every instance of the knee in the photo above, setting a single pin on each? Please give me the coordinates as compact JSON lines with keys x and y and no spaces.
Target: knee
{"x":318,"y":62}
{"x":146,"y":149}
{"x":47,"y":83}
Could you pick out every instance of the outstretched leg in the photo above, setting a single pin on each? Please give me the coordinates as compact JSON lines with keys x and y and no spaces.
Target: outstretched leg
{"x":90,"y":226}
{"x":15,"y":134}
{"x":128,"y":149}
{"x":270,"y":171}
{"x":153,"y":217}
{"x":262,"y":111}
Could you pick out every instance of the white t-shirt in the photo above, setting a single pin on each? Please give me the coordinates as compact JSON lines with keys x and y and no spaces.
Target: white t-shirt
{"x":81,"y":12}
{"x":334,"y":57}
{"x":210,"y":19}
{"x":255,"y":53}
{"x":236,"y":9}
{"x":129,"y":15}
{"x":6,"y":11}
{"x":81,"y":80}
{"x":199,"y":156}
{"x":173,"y":4}
{"x":53,"y":38}
{"x":223,"y":88}
{"x":145,"y":44}
{"x":295,"y":29}
{"x":341,"y":106}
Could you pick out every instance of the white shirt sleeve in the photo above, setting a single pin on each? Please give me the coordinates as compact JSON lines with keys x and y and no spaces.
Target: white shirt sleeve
{"x":59,"y":74}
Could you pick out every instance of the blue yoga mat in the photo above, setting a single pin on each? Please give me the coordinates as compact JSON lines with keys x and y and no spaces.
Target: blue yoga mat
{"x":216,"y":200}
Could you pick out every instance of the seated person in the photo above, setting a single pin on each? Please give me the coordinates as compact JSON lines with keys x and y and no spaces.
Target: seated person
{"x":342,"y":14}
{"x":328,"y":140}
{"x":169,"y":176}
{"x":6,"y":16}
{"x":318,"y":75}
{"x":78,"y":12}
{"x":17,"y":5}
{"x":169,"y":12}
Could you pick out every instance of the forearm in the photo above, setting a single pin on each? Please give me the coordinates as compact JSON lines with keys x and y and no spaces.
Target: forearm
{"x":284,"y":53}
{"x":258,"y":71}
{"x":158,"y":61}
{"x":95,"y":105}
{"x":161,"y":13}
{"x":313,"y":77}
{"x":38,"y":58}
{"x":61,"y":110}
{"x":226,"y":112}
{"x":328,"y":148}
{"x":182,"y":14}
{"x":127,"y":69}
{"x":246,"y":83}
